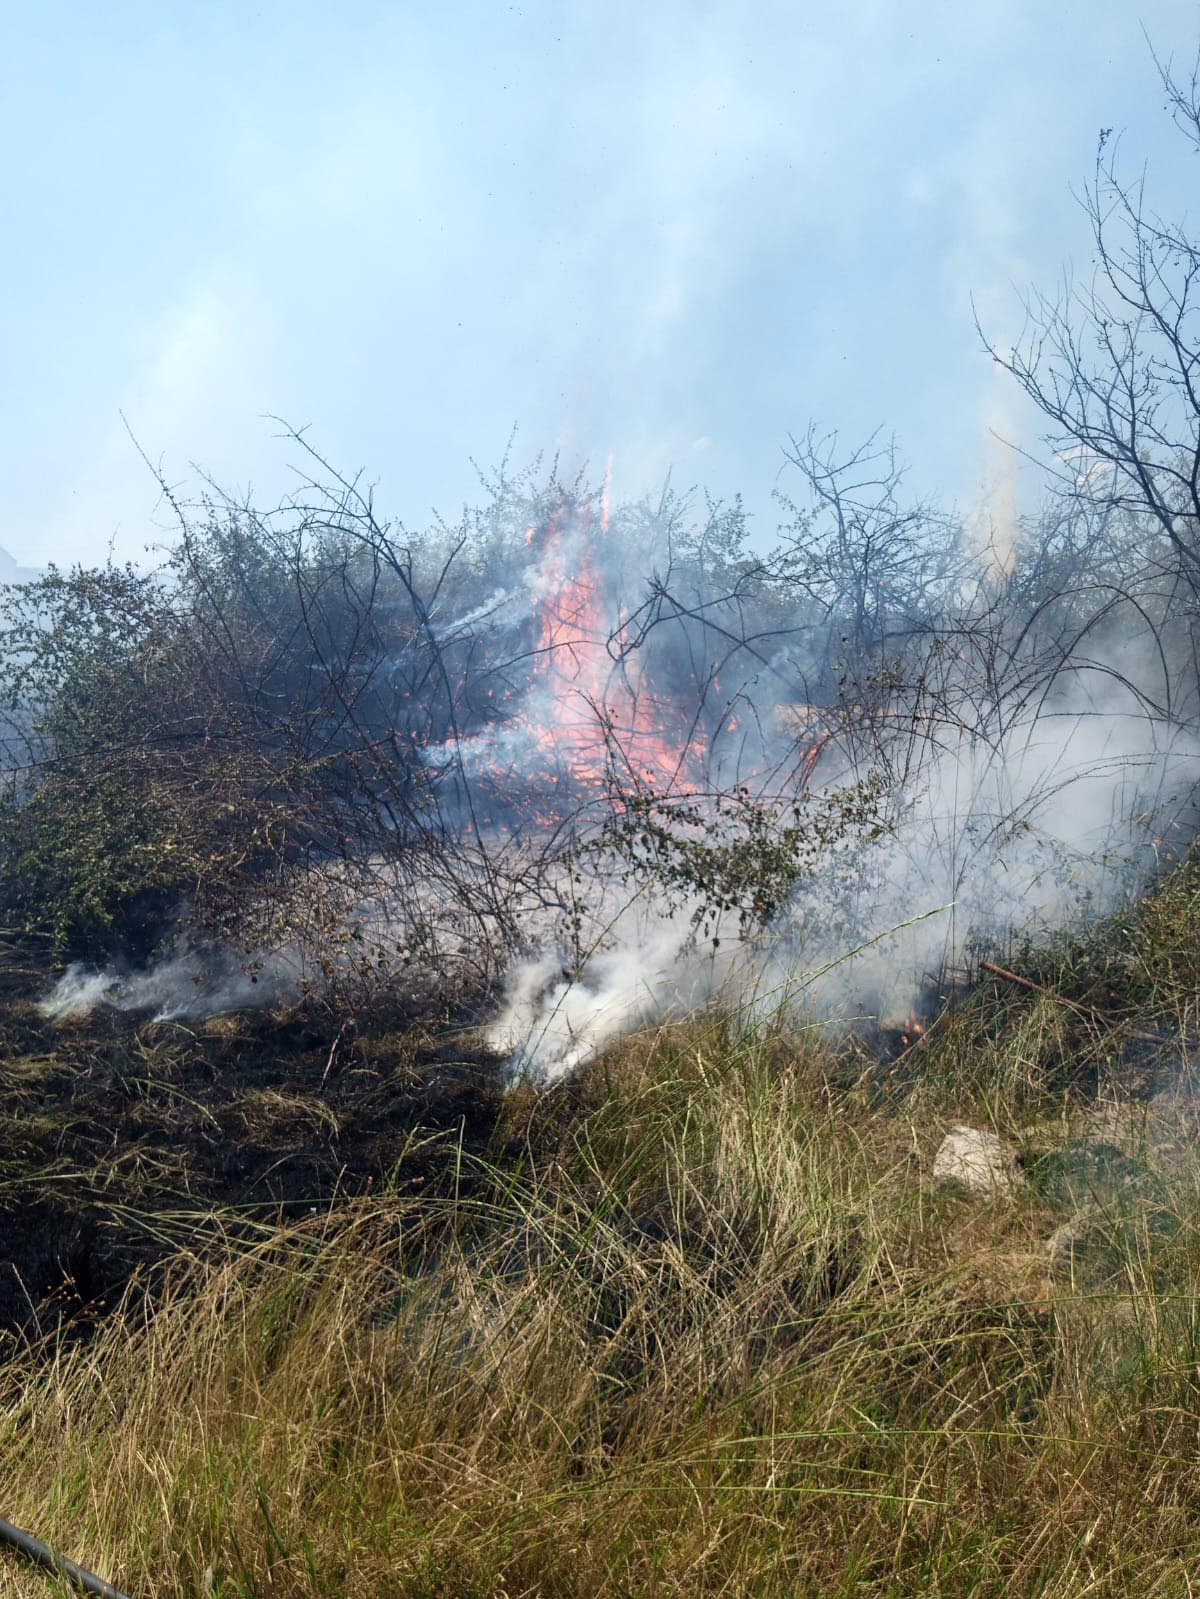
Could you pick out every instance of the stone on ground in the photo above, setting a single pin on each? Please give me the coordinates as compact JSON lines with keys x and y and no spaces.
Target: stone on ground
{"x":976,"y":1159}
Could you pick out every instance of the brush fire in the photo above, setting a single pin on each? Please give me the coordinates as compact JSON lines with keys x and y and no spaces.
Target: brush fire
{"x":606,"y":763}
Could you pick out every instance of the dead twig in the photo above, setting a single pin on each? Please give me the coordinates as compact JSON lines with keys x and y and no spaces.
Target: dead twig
{"x":346,"y":1033}
{"x":1088,"y":1012}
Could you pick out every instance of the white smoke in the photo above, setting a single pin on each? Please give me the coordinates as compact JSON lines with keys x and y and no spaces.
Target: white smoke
{"x":189,"y":983}
{"x":487,"y":611}
{"x":1063,"y":815}
{"x":555,"y":1019}
{"x":1013,"y":819}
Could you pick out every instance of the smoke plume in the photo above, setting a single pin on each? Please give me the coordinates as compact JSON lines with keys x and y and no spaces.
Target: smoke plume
{"x":619,"y":764}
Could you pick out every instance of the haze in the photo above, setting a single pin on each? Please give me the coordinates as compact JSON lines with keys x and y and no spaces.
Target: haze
{"x":670,"y":234}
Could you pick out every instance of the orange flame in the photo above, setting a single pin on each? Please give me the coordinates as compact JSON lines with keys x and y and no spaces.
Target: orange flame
{"x":598,"y":711}
{"x":913,"y":1030}
{"x":592,"y":711}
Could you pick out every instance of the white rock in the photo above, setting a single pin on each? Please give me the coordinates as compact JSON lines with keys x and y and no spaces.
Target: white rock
{"x":977,"y":1160}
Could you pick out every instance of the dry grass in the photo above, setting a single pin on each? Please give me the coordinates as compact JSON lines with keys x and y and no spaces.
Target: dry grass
{"x":703,"y":1326}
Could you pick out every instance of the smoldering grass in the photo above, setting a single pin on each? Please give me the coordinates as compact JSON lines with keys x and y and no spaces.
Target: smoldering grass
{"x":710,"y":1333}
{"x":697,"y":1322}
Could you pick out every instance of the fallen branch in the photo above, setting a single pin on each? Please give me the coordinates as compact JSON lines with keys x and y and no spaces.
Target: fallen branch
{"x":1088,"y":1012}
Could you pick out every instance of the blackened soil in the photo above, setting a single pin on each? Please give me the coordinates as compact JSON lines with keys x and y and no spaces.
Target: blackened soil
{"x":117,"y":1138}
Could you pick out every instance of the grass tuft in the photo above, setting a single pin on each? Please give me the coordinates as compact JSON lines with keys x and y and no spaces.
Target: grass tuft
{"x":698,"y":1323}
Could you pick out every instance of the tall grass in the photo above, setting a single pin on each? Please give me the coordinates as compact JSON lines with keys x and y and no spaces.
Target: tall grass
{"x":701,"y":1325}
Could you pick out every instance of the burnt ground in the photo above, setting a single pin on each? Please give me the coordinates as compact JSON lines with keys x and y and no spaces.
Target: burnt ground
{"x":119,"y":1136}
{"x":122,"y":1140}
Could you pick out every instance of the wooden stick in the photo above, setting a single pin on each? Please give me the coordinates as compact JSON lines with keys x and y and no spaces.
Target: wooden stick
{"x":1086,"y":1011}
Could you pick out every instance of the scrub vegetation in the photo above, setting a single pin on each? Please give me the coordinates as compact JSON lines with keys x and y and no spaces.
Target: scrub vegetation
{"x":304,"y":1290}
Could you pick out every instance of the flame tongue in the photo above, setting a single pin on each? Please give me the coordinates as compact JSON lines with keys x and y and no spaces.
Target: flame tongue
{"x":589,"y":709}
{"x":595,"y":712}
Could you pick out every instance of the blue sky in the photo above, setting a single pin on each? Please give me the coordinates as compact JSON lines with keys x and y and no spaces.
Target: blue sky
{"x":675,"y":232}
